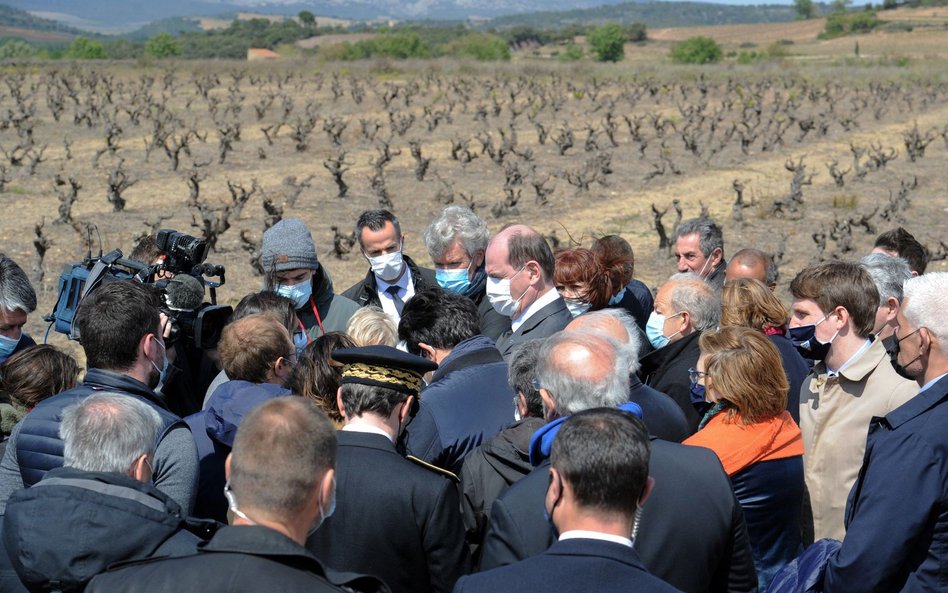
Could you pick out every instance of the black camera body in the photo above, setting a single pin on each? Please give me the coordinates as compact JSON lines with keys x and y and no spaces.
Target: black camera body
{"x":191,"y":318}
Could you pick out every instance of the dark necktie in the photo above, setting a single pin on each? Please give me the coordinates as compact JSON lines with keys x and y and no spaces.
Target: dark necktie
{"x":399,"y":303}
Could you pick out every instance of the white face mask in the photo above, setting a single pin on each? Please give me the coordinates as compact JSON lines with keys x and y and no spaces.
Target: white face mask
{"x":577,"y":307}
{"x":498,"y":293}
{"x":388,"y":266}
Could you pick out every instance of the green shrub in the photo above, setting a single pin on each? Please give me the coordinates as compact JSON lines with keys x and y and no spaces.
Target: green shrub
{"x":607,"y":42}
{"x":479,"y":46}
{"x":849,"y":23}
{"x":697,"y":50}
{"x":16,"y":48}
{"x":162,"y":45}
{"x":572,"y":53}
{"x":83,"y":48}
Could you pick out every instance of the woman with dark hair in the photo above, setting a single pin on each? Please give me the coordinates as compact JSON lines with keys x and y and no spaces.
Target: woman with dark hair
{"x":30,"y":376}
{"x":316,"y":375}
{"x":759,"y":444}
{"x":747,"y":302}
{"x":582,"y":280}
{"x":627,"y":292}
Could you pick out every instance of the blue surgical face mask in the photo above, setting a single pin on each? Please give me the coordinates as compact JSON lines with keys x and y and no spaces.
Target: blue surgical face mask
{"x":298,"y":293}
{"x":163,"y":371}
{"x":300,"y":341}
{"x":655,"y":329}
{"x":615,"y":300}
{"x":456,"y":281}
{"x":577,"y":307}
{"x":8,"y":345}
{"x":699,"y":398}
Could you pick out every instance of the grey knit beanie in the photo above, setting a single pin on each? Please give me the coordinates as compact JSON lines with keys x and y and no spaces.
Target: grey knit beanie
{"x":288,"y":245}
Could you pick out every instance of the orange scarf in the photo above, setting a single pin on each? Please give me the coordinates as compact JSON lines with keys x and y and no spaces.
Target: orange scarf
{"x":739,"y":446}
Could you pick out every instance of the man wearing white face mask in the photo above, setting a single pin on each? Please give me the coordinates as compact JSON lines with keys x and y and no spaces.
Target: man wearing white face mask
{"x":281,"y":486}
{"x":288,"y":256}
{"x":684,"y":307}
{"x":393,"y":277}
{"x":831,"y":322}
{"x":520,"y":270}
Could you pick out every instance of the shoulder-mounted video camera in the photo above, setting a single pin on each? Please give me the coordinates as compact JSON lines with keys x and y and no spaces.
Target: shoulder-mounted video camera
{"x":181,"y":277}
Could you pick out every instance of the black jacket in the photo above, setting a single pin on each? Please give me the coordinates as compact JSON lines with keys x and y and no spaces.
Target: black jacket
{"x":366,"y":292}
{"x":334,"y":310}
{"x":488,"y":470}
{"x":73,"y":524}
{"x":394,"y":519}
{"x":666,"y":370}
{"x":696,"y":542}
{"x":247,"y":558}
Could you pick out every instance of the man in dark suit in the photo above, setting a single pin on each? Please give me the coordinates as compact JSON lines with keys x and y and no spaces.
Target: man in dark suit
{"x":396,"y":519}
{"x":467,"y":400}
{"x":393,"y":278}
{"x":520,"y":286}
{"x":598,"y":483}
{"x":698,"y":552}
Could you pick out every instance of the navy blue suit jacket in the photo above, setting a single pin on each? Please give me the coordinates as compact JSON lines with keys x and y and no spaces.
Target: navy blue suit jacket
{"x":570,"y":566}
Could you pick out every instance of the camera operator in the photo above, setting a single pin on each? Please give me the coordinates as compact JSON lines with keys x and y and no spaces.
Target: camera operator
{"x":122,"y":336}
{"x":191,"y":369}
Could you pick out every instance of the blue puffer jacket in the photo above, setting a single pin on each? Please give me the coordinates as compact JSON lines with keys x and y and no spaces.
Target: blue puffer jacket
{"x":214,"y":429}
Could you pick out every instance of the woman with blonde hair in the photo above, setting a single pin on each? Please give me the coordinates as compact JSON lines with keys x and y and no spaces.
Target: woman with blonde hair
{"x":747,"y":302}
{"x":370,"y":326}
{"x":756,"y":439}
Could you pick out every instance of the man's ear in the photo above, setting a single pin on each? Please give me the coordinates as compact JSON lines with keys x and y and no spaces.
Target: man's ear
{"x":141,"y":470}
{"x":646,"y":491}
{"x":478,"y":258}
{"x":339,"y":404}
{"x":892,"y":309}
{"x":427,"y":352}
{"x":405,"y":410}
{"x":842,"y":315}
{"x":522,"y":405}
{"x":685,"y":322}
{"x":536,"y":274}
{"x":549,"y":405}
{"x":717,"y":255}
{"x":554,"y":492}
{"x":227,"y":466}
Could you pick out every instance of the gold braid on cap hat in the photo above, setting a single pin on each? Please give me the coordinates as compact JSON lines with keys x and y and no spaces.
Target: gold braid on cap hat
{"x":407,"y":380}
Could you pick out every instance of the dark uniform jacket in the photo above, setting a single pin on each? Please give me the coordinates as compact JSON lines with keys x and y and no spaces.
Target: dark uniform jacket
{"x":542,"y":324}
{"x":394,"y":519}
{"x":73,"y":524}
{"x":666,"y":370}
{"x":661,"y":414}
{"x":467,"y":402}
{"x":897,"y":512}
{"x":244,"y":559}
{"x":571,"y":566}
{"x":696,"y":542}
{"x":366,"y":292}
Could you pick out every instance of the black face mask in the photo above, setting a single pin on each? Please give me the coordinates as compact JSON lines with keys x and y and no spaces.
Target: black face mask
{"x":893,"y":350}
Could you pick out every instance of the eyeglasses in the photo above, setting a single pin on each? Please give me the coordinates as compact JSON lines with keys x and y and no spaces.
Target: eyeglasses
{"x":694,"y":374}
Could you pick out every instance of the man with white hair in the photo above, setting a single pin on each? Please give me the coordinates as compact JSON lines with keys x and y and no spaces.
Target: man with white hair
{"x":100,"y":507}
{"x":888,"y":274}
{"x":685,"y":306}
{"x":662,"y":415}
{"x":706,"y":552}
{"x":457,"y":241}
{"x":896,"y":518}
{"x":17,"y":300}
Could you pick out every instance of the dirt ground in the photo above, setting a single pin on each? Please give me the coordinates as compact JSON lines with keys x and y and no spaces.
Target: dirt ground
{"x":595,"y":187}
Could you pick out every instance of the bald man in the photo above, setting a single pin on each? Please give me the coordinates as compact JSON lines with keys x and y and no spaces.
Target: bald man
{"x":519,"y":265}
{"x":752,"y":263}
{"x":663,"y":417}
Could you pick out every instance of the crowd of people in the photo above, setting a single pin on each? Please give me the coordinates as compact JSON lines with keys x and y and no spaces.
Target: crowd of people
{"x":512,"y":420}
